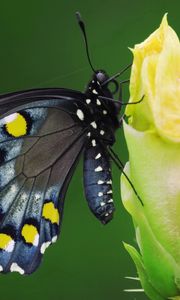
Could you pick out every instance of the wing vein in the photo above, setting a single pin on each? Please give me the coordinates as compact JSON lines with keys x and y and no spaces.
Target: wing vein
{"x":20,"y":225}
{"x":39,"y":136}
{"x":65,"y":150}
{"x":3,"y":219}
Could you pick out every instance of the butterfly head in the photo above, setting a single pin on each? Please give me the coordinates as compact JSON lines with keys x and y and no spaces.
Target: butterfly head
{"x":104,"y":81}
{"x":99,"y":79}
{"x":101,"y":76}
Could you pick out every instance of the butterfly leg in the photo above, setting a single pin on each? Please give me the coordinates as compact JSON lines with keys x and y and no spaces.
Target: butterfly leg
{"x":120,"y":165}
{"x":120,"y":98}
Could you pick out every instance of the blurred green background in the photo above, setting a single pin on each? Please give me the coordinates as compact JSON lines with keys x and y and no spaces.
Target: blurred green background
{"x":41,"y":46}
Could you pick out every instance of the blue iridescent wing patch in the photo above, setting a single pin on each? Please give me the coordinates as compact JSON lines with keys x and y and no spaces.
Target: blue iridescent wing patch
{"x":40,"y":143}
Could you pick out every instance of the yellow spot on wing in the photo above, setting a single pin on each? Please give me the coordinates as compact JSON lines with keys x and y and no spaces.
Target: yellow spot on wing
{"x":50,"y":212}
{"x":17,"y":126}
{"x":5,"y":239}
{"x":30,"y":234}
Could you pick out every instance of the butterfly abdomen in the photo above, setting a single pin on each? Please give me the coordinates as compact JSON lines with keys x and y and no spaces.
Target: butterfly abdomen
{"x":98,"y":182}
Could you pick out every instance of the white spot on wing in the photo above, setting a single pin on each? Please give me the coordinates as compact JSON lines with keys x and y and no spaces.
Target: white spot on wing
{"x":15,"y":268}
{"x":100,"y":182}
{"x":54,"y":239}
{"x":1,"y":268}
{"x":98,"y":156}
{"x":44,"y":246}
{"x":94,"y":91}
{"x":98,"y":169}
{"x":88,"y":134}
{"x":80,"y":114}
{"x":102,"y":203}
{"x":10,"y":118}
{"x":100,"y":194}
{"x":88,"y":101}
{"x":93,"y":143}
{"x":110,"y":201}
{"x":98,"y":102}
{"x":109,"y":182}
{"x":10,"y":246}
{"x":102,"y":132}
{"x":94,"y":125}
{"x":36,"y":240}
{"x":104,"y":112}
{"x":109,"y":192}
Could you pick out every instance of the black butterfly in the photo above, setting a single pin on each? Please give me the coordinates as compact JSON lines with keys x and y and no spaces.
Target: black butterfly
{"x":43,"y":133}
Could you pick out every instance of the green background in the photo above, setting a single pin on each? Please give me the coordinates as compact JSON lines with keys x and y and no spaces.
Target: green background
{"x":41,"y":46}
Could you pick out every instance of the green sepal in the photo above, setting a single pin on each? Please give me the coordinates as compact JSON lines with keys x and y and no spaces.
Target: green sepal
{"x":148,"y":288}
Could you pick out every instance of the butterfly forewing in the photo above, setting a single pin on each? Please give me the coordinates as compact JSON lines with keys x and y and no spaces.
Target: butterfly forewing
{"x":40,"y":143}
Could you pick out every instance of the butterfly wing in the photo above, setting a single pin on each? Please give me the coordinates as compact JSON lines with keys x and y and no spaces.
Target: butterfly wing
{"x":42,"y":134}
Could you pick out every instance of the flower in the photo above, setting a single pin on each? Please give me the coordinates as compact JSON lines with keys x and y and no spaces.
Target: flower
{"x":153,"y":139}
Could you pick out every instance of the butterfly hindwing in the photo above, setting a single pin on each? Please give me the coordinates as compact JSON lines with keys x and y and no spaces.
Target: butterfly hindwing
{"x":40,"y":143}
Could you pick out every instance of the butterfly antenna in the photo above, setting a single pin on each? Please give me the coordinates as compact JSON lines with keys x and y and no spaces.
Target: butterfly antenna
{"x":117,"y":75}
{"x":82,"y":26}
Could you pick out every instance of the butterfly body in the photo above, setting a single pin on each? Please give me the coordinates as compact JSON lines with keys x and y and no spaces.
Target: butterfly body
{"x":43,"y":133}
{"x":97,"y":168}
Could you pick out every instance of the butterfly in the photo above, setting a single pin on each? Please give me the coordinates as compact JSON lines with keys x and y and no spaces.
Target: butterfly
{"x":43,"y":133}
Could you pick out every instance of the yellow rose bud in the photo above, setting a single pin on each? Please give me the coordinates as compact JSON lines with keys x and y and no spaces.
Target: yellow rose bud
{"x":156,"y":75}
